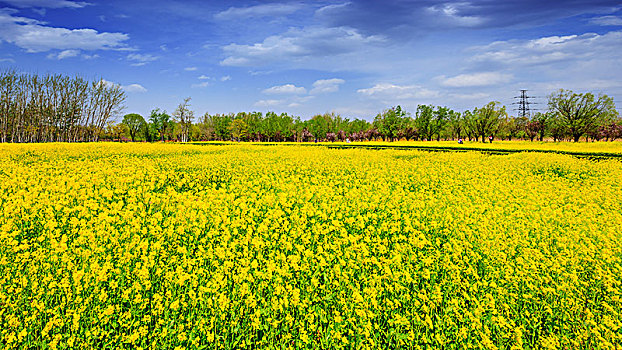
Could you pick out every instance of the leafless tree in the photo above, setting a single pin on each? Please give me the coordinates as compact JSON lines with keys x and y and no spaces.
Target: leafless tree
{"x":184,"y":116}
{"x":51,"y":108}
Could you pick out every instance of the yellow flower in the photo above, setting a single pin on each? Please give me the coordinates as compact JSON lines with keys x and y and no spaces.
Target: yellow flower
{"x":288,"y":245}
{"x":109,"y":310}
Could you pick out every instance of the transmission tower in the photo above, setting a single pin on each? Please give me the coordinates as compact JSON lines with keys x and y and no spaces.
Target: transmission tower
{"x":523,"y":104}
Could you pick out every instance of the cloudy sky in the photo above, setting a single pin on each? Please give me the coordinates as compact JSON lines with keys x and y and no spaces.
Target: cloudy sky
{"x":307,"y":57}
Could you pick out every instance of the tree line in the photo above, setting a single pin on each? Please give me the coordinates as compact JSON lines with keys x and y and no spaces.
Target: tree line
{"x":55,"y":108}
{"x":570,"y":116}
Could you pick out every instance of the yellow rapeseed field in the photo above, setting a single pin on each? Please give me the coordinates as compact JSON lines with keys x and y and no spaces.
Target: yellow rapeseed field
{"x":579,"y":147}
{"x":158,"y":246}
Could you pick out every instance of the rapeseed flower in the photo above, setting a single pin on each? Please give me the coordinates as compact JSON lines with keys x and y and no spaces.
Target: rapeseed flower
{"x":184,"y":246}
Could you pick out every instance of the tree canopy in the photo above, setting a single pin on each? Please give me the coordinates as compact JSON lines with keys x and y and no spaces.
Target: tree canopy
{"x":135,"y":123}
{"x":580,"y":113}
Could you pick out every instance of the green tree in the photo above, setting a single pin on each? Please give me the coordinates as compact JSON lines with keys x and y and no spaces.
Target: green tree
{"x":206,"y":128}
{"x":239,"y":129}
{"x":222,"y":126}
{"x":150,"y":133}
{"x":252,"y":122}
{"x":358,"y":125}
{"x":557,"y":130}
{"x":424,"y":121}
{"x":442,"y":116}
{"x":337,"y":122}
{"x":319,"y":125}
{"x":118,"y":130}
{"x":135,"y":123}
{"x":469,"y":122}
{"x":541,"y":123}
{"x":506,"y":127}
{"x":390,"y":122}
{"x":278,"y":127}
{"x":456,"y":125}
{"x":581,"y":113}
{"x":160,"y":121}
{"x":518,"y":127}
{"x":487,"y":119}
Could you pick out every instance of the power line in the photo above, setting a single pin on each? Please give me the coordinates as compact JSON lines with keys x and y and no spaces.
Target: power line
{"x":524,"y":111}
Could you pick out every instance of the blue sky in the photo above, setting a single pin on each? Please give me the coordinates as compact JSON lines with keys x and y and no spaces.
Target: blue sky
{"x":355,"y":58}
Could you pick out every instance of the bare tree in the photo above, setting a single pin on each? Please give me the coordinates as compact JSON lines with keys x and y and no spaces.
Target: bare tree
{"x":47,"y":108}
{"x":184,"y":116}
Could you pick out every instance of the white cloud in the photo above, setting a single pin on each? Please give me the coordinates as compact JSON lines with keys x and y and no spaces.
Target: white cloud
{"x":7,"y":18}
{"x":599,"y":84}
{"x":263,"y":10}
{"x":607,"y":21}
{"x":134,"y":88}
{"x":473,"y":96}
{"x":268,"y":103}
{"x":7,"y":60}
{"x":225,"y":78}
{"x":68,"y":53}
{"x":190,"y":69}
{"x":328,"y":9}
{"x":579,"y":62}
{"x":64,"y":54}
{"x":236,"y":61}
{"x":289,"y":101}
{"x":550,"y":49}
{"x":40,"y":11}
{"x":285,"y":89}
{"x":200,"y":85}
{"x":398,"y":92}
{"x":260,"y":72}
{"x":141,"y":59}
{"x":46,"y":3}
{"x":90,"y":57}
{"x":326,"y":85}
{"x":128,"y":88}
{"x":476,"y":79}
{"x":204,"y":77}
{"x":34,"y":36}
{"x":299,"y":44}
{"x":549,"y":41}
{"x":449,"y":13}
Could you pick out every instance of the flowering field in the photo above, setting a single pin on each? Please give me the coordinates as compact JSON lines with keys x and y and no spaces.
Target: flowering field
{"x":243,"y":246}
{"x":577,"y":147}
{"x":594,"y":149}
